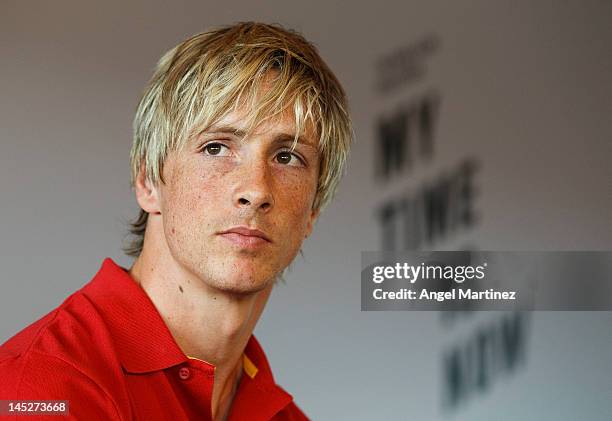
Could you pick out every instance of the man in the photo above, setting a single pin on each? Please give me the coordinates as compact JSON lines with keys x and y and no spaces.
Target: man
{"x":239,"y":140}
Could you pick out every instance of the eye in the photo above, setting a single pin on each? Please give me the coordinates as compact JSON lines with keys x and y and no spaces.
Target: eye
{"x":216,"y":149}
{"x":289,"y":158}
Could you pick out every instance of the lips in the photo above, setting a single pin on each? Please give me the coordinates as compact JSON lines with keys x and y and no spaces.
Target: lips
{"x":246,"y":237}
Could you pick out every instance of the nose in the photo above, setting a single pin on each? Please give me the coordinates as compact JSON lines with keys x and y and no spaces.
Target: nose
{"x":254,"y":191}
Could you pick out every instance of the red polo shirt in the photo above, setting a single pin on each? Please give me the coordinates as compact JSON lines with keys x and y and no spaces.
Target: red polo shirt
{"x":108,"y":352}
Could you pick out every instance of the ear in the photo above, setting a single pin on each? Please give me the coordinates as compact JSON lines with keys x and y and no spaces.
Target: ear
{"x":312,"y":218}
{"x":147,"y":193}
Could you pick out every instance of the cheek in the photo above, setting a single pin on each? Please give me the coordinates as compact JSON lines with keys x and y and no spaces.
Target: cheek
{"x":188,"y":201}
{"x":296,"y":193}
{"x":194,"y":186}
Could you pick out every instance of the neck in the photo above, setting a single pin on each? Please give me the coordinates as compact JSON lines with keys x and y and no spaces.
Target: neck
{"x":207,"y":323}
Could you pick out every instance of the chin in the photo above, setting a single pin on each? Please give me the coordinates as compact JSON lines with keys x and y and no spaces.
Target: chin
{"x":242,"y":279}
{"x":242,"y":286}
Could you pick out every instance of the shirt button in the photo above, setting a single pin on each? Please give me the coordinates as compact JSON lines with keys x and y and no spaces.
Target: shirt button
{"x":184,"y":373}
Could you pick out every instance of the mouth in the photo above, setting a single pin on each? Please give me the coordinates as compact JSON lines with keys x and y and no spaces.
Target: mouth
{"x":246,"y":237}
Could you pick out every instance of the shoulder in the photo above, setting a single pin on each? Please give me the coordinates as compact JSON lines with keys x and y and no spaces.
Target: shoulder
{"x":66,"y":355}
{"x":74,"y":333}
{"x":43,"y":377}
{"x":291,"y":413}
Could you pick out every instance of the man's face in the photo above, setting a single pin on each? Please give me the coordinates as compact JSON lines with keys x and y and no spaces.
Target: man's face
{"x":236,"y":209}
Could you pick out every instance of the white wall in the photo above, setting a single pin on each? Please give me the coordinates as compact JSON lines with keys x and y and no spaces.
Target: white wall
{"x":525,"y":89}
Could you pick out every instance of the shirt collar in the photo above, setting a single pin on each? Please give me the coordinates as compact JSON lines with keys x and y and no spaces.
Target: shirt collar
{"x":143,"y":341}
{"x":260,"y":391}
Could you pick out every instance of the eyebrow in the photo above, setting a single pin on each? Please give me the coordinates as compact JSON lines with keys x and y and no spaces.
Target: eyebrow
{"x":279,"y":138}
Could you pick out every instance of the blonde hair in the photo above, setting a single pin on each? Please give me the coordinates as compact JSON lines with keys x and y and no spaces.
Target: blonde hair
{"x":210,"y":74}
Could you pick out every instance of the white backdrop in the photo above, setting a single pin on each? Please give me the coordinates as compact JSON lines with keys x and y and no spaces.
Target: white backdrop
{"x":525,"y":90}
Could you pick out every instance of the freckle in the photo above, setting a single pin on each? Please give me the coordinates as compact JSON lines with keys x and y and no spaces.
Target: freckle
{"x":173,"y":230}
{"x":181,"y":288}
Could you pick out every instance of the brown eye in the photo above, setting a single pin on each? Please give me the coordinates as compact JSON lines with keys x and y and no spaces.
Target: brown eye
{"x":284,"y":158}
{"x":289,"y":158}
{"x":214,"y":148}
